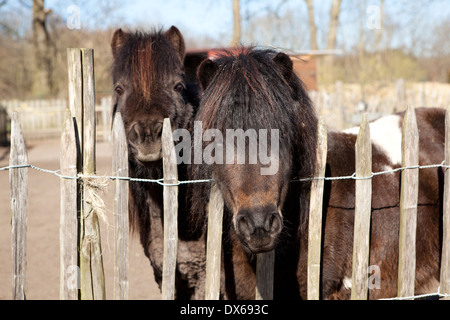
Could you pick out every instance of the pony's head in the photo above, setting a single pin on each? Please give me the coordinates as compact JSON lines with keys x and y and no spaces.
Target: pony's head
{"x":259,"y":106}
{"x":149,"y":85}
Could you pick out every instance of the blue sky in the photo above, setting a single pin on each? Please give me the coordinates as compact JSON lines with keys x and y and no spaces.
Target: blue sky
{"x":213,"y":18}
{"x":197,"y":16}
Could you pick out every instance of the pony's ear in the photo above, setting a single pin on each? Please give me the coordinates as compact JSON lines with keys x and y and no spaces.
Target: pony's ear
{"x":176,"y":38}
{"x":206,"y":72}
{"x":118,"y":39}
{"x":285,"y":64}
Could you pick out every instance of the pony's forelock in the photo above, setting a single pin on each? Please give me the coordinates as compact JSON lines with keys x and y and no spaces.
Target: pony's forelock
{"x":138,"y":57}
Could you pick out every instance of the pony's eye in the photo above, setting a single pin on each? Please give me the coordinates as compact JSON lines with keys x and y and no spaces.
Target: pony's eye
{"x":118,"y":90}
{"x":179,"y":87}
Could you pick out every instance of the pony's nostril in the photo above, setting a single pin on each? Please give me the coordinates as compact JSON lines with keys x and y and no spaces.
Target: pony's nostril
{"x":273,"y":223}
{"x":244,"y":226}
{"x":157,"y":130}
{"x":269,"y":222}
{"x":135,"y":133}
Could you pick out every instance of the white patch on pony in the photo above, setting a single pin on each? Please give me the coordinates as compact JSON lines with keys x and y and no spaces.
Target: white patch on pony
{"x":386,"y":134}
{"x":347,"y":283}
{"x":354,"y":131}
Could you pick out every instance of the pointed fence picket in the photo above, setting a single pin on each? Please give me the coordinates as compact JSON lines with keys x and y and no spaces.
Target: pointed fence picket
{"x":408,"y":206}
{"x":445,"y":259}
{"x":170,"y":195}
{"x":363,"y":203}
{"x":68,"y":230}
{"x":214,"y":244}
{"x":315,"y":215}
{"x":120,"y":169}
{"x":19,"y":202}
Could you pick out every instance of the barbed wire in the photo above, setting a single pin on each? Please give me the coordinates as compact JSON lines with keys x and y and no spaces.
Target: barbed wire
{"x":162,"y":183}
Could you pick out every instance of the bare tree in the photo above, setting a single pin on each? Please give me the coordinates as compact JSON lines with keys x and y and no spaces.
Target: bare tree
{"x":334,"y":21}
{"x":380,"y":30}
{"x":43,"y":51}
{"x":333,"y":25}
{"x":332,"y":32}
{"x":312,"y":25}
{"x":236,"y":23}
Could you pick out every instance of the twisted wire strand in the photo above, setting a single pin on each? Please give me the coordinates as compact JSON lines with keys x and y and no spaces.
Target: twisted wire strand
{"x":161,"y":180}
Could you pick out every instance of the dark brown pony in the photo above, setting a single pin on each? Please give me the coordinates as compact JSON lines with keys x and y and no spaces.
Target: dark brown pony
{"x":150,"y":85}
{"x":254,"y":90}
{"x":258,"y":89}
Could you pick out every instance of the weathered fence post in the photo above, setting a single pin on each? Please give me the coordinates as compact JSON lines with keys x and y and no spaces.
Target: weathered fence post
{"x":170,"y":194}
{"x":82,"y":106}
{"x":120,"y":169}
{"x":363,"y":204}
{"x":19,"y":201}
{"x":445,"y":260}
{"x":214,"y":244}
{"x":315,"y":215}
{"x":68,"y":231}
{"x":265,"y":265}
{"x":408,"y":205}
{"x":91,"y":260}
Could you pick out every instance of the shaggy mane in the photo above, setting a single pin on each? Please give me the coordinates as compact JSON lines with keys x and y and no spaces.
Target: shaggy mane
{"x":248,"y":90}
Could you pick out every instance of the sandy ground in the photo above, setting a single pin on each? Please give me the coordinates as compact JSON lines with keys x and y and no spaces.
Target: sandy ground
{"x":43,"y":230}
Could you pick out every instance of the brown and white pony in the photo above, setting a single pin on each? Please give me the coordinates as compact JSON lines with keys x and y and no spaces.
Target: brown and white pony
{"x":254,"y":89}
{"x":339,"y":206}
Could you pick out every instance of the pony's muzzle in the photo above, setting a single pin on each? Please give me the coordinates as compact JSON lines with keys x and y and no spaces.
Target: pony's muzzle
{"x":146,"y":140}
{"x":258,"y":230}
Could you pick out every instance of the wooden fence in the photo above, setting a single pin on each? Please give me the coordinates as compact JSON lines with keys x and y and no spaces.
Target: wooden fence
{"x":343,"y":104}
{"x":408,"y":212}
{"x":79,"y":230}
{"x":41,"y":119}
